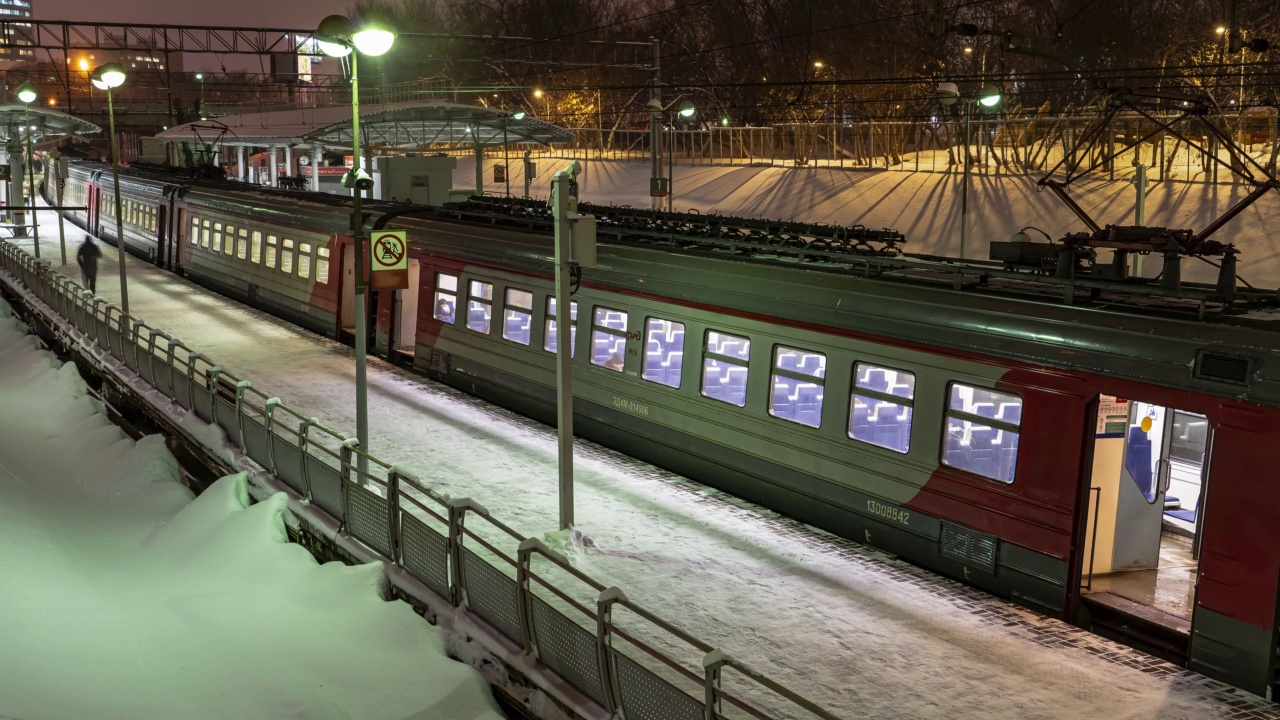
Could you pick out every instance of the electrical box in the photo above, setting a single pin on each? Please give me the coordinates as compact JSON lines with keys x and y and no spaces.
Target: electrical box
{"x":584,"y":240}
{"x":530,"y":170}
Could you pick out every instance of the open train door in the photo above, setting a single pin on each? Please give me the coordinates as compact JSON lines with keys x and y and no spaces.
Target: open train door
{"x":405,"y":325}
{"x":178,"y":245}
{"x":1140,"y":567}
{"x":164,"y":250}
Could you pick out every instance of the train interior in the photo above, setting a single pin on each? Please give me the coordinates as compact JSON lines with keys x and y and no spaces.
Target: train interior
{"x":1142,"y":537}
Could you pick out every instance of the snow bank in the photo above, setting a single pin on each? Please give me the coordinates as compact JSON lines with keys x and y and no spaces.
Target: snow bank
{"x":123,"y":597}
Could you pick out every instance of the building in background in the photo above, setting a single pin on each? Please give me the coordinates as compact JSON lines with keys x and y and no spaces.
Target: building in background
{"x":12,"y":47}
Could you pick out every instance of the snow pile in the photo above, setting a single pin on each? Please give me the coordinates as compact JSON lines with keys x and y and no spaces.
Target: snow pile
{"x":123,"y":597}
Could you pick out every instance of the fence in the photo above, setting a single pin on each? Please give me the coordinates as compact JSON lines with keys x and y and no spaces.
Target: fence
{"x":1007,"y":146}
{"x":454,"y":546}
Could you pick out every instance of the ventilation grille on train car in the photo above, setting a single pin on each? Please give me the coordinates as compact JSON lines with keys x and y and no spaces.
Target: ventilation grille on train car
{"x":1232,"y":369}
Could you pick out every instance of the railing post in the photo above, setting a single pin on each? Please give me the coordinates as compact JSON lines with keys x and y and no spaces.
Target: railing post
{"x":213,"y":374}
{"x":457,"y":516}
{"x":191,"y":377}
{"x":711,"y":665}
{"x":393,"y":513}
{"x":173,"y":386}
{"x":344,"y":455}
{"x":604,"y":645}
{"x":303,"y":429}
{"x":240,"y":388}
{"x":269,"y":424}
{"x":524,"y":595}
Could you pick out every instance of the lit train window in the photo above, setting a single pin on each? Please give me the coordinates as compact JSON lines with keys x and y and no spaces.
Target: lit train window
{"x":286,"y":256}
{"x":724,"y":368}
{"x":880,"y":407}
{"x":304,"y":260}
{"x":204,"y":235}
{"x":663,"y":352}
{"x":549,"y":343}
{"x":797,"y":385}
{"x":255,"y":247}
{"x":609,"y":339}
{"x":216,"y":243}
{"x":480,"y":306}
{"x":242,"y":244}
{"x":517,"y":319}
{"x":195,"y":231}
{"x":982,"y":432}
{"x":272,"y":243}
{"x":446,"y":297}
{"x":322,"y":265}
{"x":229,"y":247}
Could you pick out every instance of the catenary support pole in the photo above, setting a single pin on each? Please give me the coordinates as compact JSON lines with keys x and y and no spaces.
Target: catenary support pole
{"x":115,"y":180}
{"x":61,"y":165}
{"x":317,"y":159}
{"x":655,"y":127}
{"x":964,"y":183}
{"x":564,"y":343}
{"x":31,"y":175}
{"x":357,"y":233}
{"x":240,"y":168}
{"x":274,"y":170}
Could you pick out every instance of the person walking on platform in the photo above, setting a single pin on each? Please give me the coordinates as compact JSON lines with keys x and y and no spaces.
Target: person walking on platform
{"x":87,"y":257}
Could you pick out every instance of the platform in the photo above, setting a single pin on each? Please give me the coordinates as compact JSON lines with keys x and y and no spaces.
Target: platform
{"x":854,"y":630}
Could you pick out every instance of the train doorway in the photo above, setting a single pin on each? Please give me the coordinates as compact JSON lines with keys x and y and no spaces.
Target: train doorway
{"x":405,"y":331}
{"x":1142,"y":539}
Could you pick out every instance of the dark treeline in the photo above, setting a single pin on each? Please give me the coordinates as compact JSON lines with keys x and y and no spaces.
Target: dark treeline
{"x":815,"y":61}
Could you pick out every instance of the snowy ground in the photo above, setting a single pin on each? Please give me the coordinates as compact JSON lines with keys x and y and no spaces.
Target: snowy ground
{"x":861,"y":634}
{"x":926,"y":206}
{"x":124,"y":598}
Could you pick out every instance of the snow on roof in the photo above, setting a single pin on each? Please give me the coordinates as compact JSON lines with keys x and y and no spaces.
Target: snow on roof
{"x":404,"y":125}
{"x":47,"y":122}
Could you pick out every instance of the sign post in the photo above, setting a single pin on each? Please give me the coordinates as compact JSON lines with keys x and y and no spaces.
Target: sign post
{"x":390,"y":260}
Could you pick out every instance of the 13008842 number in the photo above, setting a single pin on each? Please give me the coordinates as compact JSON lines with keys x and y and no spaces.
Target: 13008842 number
{"x":888,"y":512}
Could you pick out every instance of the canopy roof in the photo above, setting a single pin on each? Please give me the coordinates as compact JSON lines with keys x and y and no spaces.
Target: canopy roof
{"x":48,"y":123}
{"x":402,"y":126}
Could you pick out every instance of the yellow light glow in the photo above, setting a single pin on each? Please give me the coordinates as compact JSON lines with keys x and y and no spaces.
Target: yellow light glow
{"x":53,"y":102}
{"x":968,"y":50}
{"x":818,"y":64}
{"x":537,"y":93}
{"x":84,"y":64}
{"x":1219,"y":30}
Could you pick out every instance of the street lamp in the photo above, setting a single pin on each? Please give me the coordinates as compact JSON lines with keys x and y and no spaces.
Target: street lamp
{"x":684,"y":109}
{"x":107,"y":77}
{"x":338,"y":38}
{"x":987,"y":96}
{"x":200,"y":79}
{"x":27,"y":94}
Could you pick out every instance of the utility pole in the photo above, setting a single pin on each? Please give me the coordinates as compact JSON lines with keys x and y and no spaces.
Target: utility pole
{"x":655,"y":128}
{"x":1139,"y":181}
{"x":575,"y":237}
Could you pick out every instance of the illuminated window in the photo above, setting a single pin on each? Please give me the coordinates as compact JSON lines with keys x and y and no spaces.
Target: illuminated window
{"x":609,"y":339}
{"x":480,"y":306}
{"x":286,"y":256}
{"x":322,"y":265}
{"x":663,"y":352}
{"x":255,"y":247}
{"x":724,"y":368}
{"x":880,"y":407}
{"x":304,"y":260}
{"x":982,"y":432}
{"x":446,"y":298}
{"x":517,"y":318}
{"x":798,"y":377}
{"x":272,"y":246}
{"x":549,"y":342}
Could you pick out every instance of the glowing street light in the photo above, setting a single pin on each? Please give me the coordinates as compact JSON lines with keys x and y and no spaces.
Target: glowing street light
{"x":27,"y":94}
{"x":518,"y":115}
{"x":537,"y":93}
{"x":989,"y":96}
{"x":108,"y":77}
{"x":337,"y":37}
{"x":1219,"y":30}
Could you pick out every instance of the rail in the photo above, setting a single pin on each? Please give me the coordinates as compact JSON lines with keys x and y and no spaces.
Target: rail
{"x":453,"y":546}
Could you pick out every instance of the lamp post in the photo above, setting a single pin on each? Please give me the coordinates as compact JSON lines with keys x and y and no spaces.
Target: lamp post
{"x":107,"y":77}
{"x":200,"y":79}
{"x":338,"y":38}
{"x":685,"y":109}
{"x":987,"y":97}
{"x":27,"y":94}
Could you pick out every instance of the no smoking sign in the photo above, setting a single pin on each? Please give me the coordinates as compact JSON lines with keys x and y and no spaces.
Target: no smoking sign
{"x":389,"y":256}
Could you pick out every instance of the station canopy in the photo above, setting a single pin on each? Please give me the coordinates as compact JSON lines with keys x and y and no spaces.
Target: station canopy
{"x":49,"y":124}
{"x":406,"y":126}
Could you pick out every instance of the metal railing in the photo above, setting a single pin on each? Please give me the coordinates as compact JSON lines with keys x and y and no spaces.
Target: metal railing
{"x":453,"y":546}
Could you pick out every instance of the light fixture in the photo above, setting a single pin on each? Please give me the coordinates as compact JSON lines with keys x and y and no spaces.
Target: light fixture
{"x":108,"y":76}
{"x":686,"y":109}
{"x":26,"y":93}
{"x":1219,"y":30}
{"x":989,"y":96}
{"x":724,"y":122}
{"x":948,"y":93}
{"x":373,"y":39}
{"x":968,"y":49}
{"x":200,"y":77}
{"x":333,"y":37}
{"x":53,"y":102}
{"x":818,"y":64}
{"x":537,"y":93}
{"x":517,"y":115}
{"x":84,"y":64}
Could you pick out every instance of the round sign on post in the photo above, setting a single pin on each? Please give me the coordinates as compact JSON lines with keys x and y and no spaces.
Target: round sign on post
{"x":389,"y":255}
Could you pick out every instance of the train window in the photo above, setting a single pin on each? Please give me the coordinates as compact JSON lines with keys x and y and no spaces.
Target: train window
{"x":255,"y":247}
{"x":549,"y":343}
{"x":242,"y":244}
{"x":195,"y":231}
{"x":272,"y":243}
{"x":724,"y":368}
{"x":230,"y":246}
{"x":204,"y":235}
{"x":609,"y":339}
{"x":304,"y":260}
{"x":663,"y":351}
{"x":286,"y":256}
{"x":446,"y":297}
{"x":797,"y":385}
{"x":982,"y":432}
{"x":880,"y":406}
{"x":518,"y":316}
{"x":480,"y":306}
{"x":216,"y":243}
{"x":322,"y":265}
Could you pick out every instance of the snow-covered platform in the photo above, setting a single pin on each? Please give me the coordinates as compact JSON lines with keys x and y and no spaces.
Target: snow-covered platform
{"x":860,"y":633}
